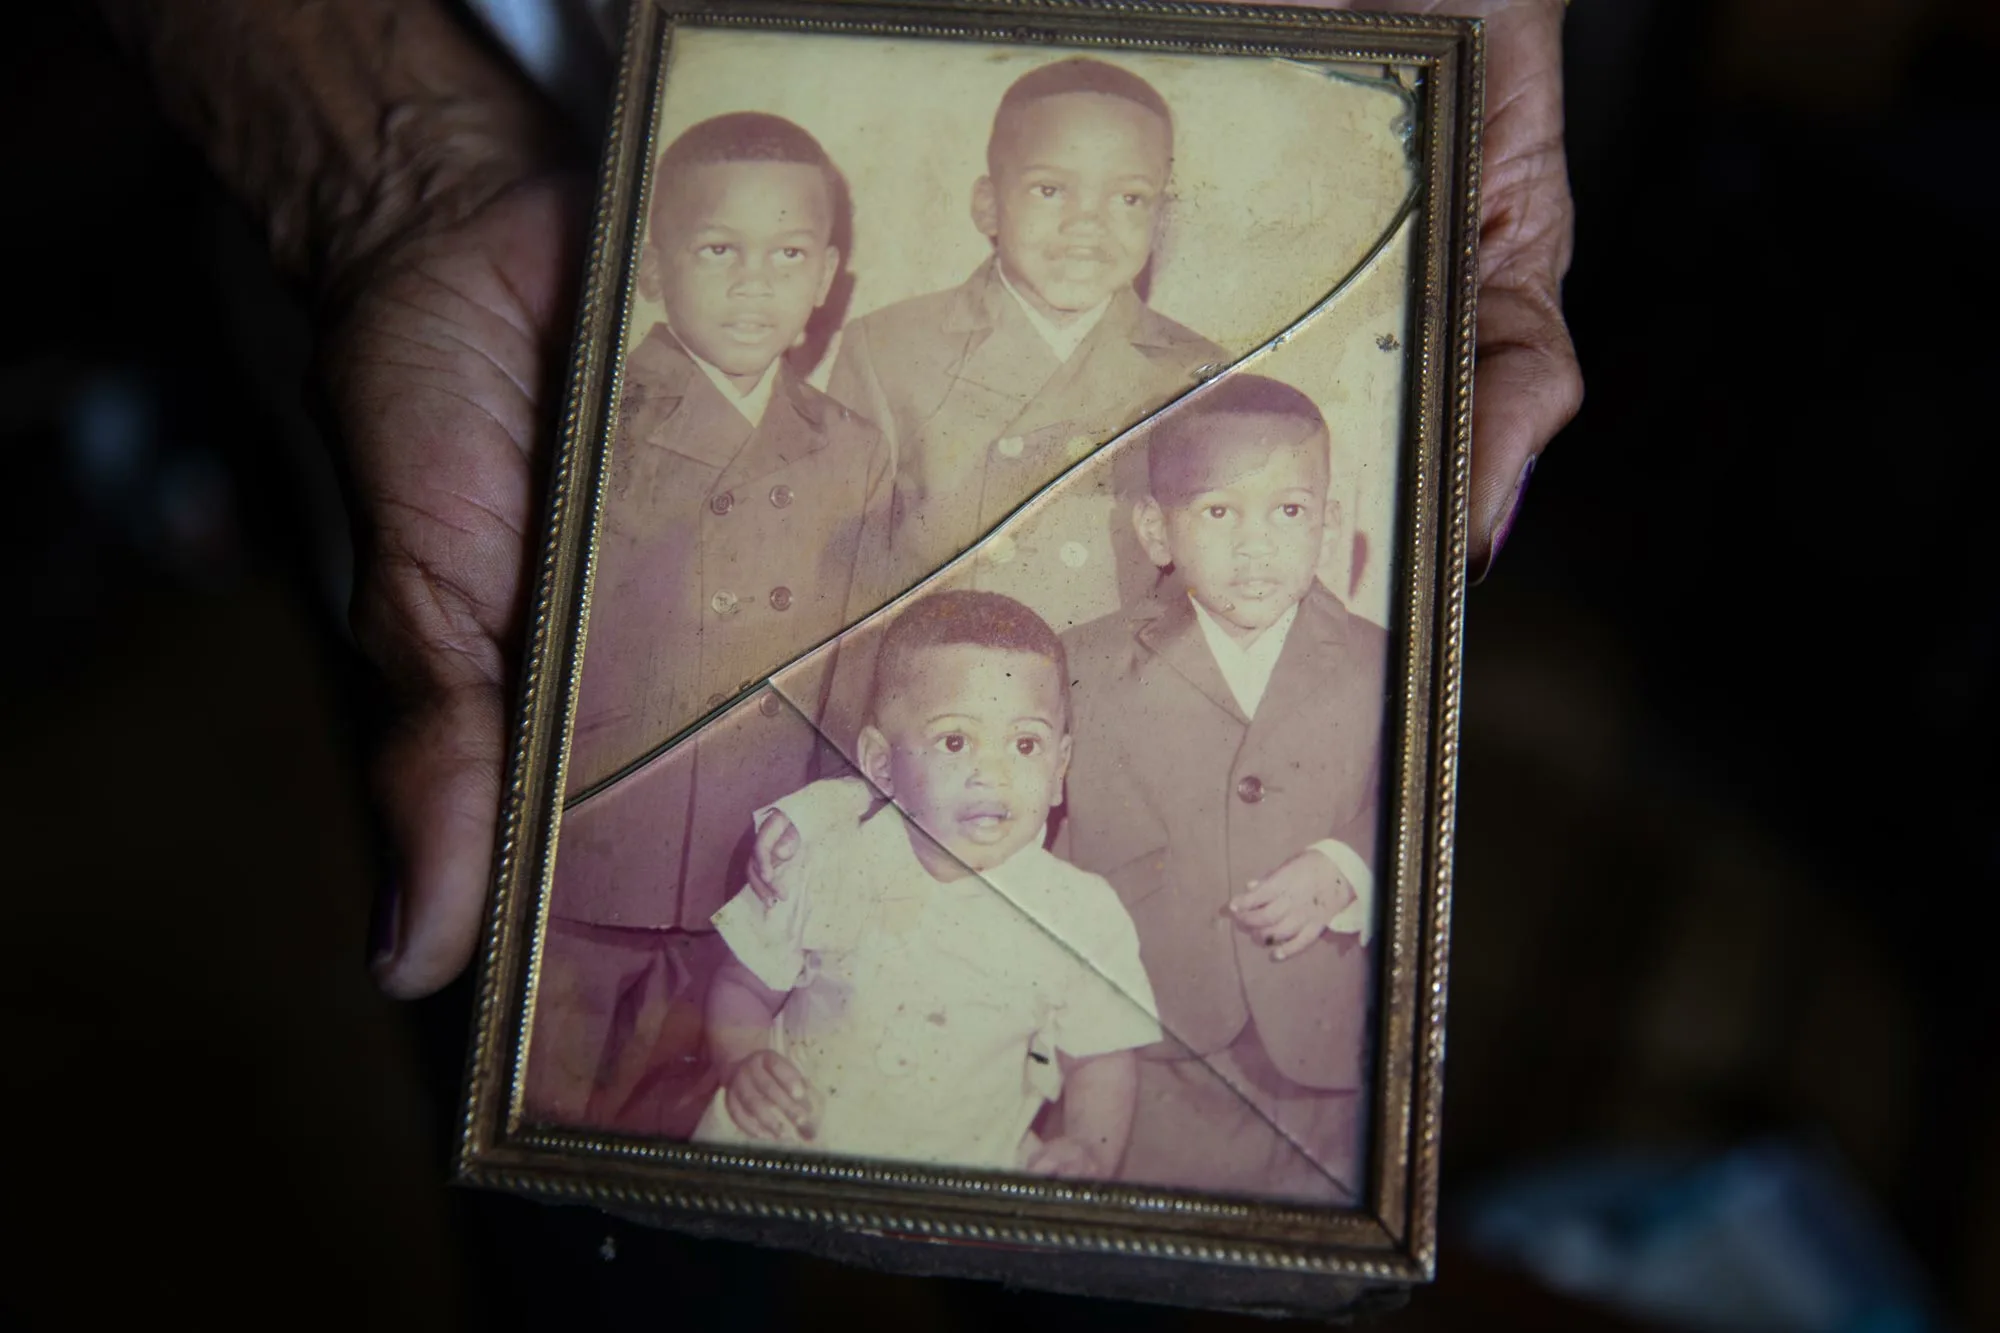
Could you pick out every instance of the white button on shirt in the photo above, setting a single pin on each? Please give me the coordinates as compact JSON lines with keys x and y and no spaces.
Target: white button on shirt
{"x":1247,"y":671}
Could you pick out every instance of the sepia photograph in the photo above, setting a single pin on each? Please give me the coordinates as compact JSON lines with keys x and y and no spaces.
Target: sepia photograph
{"x":793,"y":664}
{"x":981,"y":714}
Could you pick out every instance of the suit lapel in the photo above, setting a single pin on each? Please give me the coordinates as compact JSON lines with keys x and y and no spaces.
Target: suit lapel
{"x":1105,"y":382}
{"x":1005,"y":362}
{"x":1176,"y":642}
{"x":1301,"y":670}
{"x":671,"y":405}
{"x":793,"y":427}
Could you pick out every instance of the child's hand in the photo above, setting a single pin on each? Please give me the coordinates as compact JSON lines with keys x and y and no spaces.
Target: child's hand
{"x":1288,"y":908}
{"x":769,"y":1099}
{"x":1069,"y":1159}
{"x":777,"y":844}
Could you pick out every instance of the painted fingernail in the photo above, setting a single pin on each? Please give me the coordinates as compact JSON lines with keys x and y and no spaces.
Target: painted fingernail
{"x":1505,"y":527}
{"x":385,"y":924}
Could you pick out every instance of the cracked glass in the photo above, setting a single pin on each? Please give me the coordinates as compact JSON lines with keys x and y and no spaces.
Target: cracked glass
{"x":997,"y":512}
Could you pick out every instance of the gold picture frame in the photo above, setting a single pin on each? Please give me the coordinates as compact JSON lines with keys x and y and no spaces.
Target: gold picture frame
{"x":1100,"y":1237}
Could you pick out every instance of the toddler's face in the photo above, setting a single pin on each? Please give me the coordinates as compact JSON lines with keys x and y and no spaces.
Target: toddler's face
{"x":1075,"y":197}
{"x":972,"y":744}
{"x":743,"y":260}
{"x":1248,"y":534}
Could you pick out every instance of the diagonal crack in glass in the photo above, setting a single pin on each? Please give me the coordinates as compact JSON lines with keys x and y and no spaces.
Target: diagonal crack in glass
{"x":773,"y":682}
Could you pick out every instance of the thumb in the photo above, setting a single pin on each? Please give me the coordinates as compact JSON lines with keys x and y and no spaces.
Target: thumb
{"x":1526,"y":387}
{"x":787,"y":845}
{"x":439,"y":778}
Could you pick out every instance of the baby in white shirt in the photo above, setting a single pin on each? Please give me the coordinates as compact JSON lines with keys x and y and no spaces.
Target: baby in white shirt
{"x":929,"y":976}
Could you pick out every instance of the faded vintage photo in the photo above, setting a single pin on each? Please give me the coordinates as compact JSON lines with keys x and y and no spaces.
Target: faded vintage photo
{"x":976,"y":750}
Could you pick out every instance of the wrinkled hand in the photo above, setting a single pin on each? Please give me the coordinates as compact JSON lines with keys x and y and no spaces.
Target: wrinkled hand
{"x":1527,"y":385}
{"x":1067,"y":1159}
{"x":770,"y":1099}
{"x":1289,"y":908}
{"x":777,"y":843}
{"x":438,"y":377}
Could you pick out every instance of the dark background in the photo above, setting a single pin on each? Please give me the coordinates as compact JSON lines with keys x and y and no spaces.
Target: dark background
{"x":1727,"y":808}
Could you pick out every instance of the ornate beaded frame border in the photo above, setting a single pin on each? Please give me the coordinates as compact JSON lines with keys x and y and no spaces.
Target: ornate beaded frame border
{"x":888,"y":1211}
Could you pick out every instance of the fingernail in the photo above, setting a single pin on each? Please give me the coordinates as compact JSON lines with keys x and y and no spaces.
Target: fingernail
{"x":385,"y":925}
{"x":1505,"y":527}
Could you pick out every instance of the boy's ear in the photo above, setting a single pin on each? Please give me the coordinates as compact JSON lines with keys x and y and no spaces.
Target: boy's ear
{"x":1334,"y":537}
{"x":1150,"y":522}
{"x":651,"y":280}
{"x":1063,"y":748}
{"x":986,"y":208}
{"x":872,"y":750}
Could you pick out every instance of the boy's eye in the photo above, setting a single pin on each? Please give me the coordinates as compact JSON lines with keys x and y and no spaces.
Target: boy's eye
{"x":716,"y":250}
{"x":1135,"y":200}
{"x":1046,"y":191}
{"x":1292,"y":511}
{"x":1217,"y":511}
{"x":1029,"y":746}
{"x":792,"y":252}
{"x":951,"y":742}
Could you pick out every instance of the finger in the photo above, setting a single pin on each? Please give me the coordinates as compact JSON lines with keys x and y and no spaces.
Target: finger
{"x":1263,"y":918}
{"x":1280,"y":933}
{"x":776,"y":1085}
{"x":439,"y":777}
{"x":752,"y":1115}
{"x":1257,"y":894}
{"x":1527,"y":386}
{"x":763,"y":1106}
{"x":1294,"y":941}
{"x":1286,"y":952}
{"x":787,"y":845}
{"x":789,"y":1078}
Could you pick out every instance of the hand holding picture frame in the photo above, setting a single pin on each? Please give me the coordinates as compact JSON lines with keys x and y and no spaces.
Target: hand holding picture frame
{"x":985,"y":764}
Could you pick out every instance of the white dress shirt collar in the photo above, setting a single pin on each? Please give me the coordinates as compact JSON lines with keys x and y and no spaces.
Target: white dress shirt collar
{"x":1063,"y":339}
{"x":750,"y":403}
{"x":1247,"y":671}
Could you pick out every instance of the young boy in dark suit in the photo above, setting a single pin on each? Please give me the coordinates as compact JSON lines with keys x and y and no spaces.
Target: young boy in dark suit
{"x":1225,"y":775}
{"x":990,"y":390}
{"x":742,"y":513}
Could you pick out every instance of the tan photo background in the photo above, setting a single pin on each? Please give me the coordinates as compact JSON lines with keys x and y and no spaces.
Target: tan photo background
{"x":1286,"y":176}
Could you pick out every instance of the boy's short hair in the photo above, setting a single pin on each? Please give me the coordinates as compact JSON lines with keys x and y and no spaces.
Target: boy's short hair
{"x":1181,"y":445}
{"x":979,"y":619}
{"x":747,"y":136}
{"x":1078,"y":75}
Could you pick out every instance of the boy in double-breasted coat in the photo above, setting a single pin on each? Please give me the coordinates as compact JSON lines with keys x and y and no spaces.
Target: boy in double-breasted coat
{"x":744,"y":522}
{"x":990,"y":390}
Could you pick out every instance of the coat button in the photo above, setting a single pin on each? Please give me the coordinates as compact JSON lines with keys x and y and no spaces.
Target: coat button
{"x":721,"y":504}
{"x":1074,"y":554}
{"x":716,"y":701}
{"x":781,"y":496}
{"x":781,"y":599}
{"x":723,"y":603}
{"x":770,"y":705}
{"x":1011,"y":447}
{"x":1250,"y":790}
